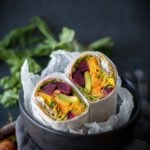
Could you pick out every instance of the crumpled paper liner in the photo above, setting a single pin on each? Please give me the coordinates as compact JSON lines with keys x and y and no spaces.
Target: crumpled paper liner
{"x":74,"y":123}
{"x":101,"y":109}
{"x":58,"y":62}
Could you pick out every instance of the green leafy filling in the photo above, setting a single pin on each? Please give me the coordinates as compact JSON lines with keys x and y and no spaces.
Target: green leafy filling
{"x":87,"y":95}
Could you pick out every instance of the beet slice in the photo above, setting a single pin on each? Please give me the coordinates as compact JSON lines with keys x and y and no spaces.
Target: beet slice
{"x":83,"y":66}
{"x":70,"y":115}
{"x":64,"y":87}
{"x":107,"y":90}
{"x":78,"y":78}
{"x":49,"y":88}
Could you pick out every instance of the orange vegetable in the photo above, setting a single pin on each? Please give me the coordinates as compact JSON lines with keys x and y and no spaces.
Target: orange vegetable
{"x":7,"y":145}
{"x":99,"y":77}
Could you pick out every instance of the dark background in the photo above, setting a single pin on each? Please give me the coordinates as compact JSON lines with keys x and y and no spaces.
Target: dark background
{"x":127,"y":22}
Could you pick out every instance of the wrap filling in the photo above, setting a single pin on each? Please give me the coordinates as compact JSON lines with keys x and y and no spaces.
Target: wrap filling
{"x":58,"y":100}
{"x":94,"y":76}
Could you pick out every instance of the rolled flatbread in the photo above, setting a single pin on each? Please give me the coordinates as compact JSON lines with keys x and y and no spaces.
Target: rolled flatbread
{"x":95,"y":76}
{"x":58,"y":103}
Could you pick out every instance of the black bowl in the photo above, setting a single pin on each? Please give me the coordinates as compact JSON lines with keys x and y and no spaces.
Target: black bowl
{"x":52,"y":139}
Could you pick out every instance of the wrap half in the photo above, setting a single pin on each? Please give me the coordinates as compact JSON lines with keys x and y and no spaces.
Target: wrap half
{"x":95,"y":76}
{"x":57,"y":102}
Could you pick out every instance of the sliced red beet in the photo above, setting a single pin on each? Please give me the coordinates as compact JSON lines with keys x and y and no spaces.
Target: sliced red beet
{"x":70,"y":115}
{"x":83,"y":66}
{"x":78,"y":78}
{"x":49,"y":88}
{"x":64,"y":87}
{"x":107,"y":90}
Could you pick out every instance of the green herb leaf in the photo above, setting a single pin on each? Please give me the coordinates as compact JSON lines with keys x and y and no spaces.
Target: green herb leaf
{"x":9,"y":98}
{"x":8,"y":82}
{"x":103,"y":42}
{"x":42,"y":26}
{"x":12,"y":37}
{"x":67,"y":35}
{"x":34,"y":66}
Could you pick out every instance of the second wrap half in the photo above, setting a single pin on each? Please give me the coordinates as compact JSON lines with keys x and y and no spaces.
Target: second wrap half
{"x":95,"y":76}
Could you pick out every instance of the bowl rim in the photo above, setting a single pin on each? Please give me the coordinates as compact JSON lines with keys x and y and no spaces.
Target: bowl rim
{"x":133,"y":117}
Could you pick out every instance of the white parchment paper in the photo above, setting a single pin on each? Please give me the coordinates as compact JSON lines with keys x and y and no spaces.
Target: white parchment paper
{"x":58,"y":62}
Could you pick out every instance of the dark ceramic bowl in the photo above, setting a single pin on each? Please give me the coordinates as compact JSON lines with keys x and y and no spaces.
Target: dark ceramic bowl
{"x":55,"y":140}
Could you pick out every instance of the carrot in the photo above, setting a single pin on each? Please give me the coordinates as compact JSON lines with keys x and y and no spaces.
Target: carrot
{"x":7,"y":145}
{"x":7,"y":131}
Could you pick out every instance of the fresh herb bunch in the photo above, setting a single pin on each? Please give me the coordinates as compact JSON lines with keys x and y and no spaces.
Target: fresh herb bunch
{"x":36,"y":40}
